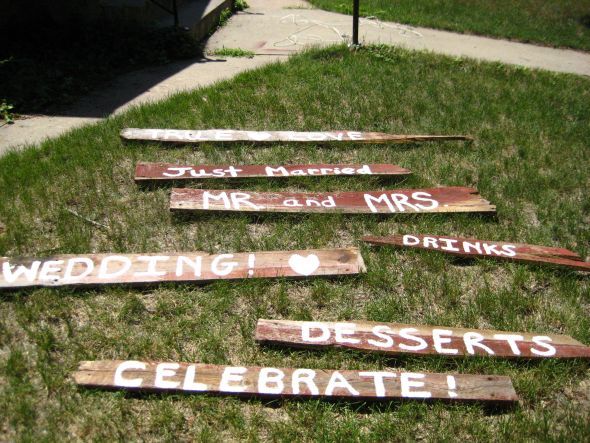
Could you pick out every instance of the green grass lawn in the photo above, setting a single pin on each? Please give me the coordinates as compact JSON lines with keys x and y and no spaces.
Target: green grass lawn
{"x":560,"y":23}
{"x":530,"y":157}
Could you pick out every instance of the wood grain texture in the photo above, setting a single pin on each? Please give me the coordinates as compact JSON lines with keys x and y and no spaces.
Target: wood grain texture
{"x":169,"y":171}
{"x":396,"y":338}
{"x":469,"y":247}
{"x":104,"y":269}
{"x":451,"y":199}
{"x":289,"y":382}
{"x":230,"y":135}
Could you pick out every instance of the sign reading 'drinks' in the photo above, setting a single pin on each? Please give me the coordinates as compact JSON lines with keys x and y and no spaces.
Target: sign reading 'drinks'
{"x":167,"y":171}
{"x":395,"y":338}
{"x":101,"y":269}
{"x":453,"y":199}
{"x":284,"y":382}
{"x":230,"y":135}
{"x":468,"y":247}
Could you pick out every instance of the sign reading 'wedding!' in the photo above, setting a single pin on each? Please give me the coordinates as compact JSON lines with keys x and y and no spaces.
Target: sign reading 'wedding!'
{"x":102,"y":269}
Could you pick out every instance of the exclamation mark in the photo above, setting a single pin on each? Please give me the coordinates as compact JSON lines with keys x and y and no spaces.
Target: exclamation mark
{"x":452,"y":386}
{"x":251,"y":259}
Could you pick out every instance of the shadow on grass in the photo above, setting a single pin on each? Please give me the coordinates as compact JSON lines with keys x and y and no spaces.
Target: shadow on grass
{"x":46,"y":69}
{"x":366,"y":406}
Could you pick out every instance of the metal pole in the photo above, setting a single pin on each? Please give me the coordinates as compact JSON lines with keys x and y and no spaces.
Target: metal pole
{"x":175,"y":13}
{"x":355,"y":22}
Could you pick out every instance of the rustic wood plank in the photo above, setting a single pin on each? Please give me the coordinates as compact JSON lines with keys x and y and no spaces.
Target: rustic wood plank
{"x":397,"y":338}
{"x":469,"y":247}
{"x":230,"y":135}
{"x":452,"y":199}
{"x":288,"y":382}
{"x":104,"y":269}
{"x":169,"y":171}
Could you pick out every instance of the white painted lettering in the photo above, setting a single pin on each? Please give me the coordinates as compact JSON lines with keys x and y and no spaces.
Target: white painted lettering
{"x":407,"y":333}
{"x":408,"y":381}
{"x":128,"y":382}
{"x":304,"y":376}
{"x":424,"y":197}
{"x":152,"y":261}
{"x":232,"y":374}
{"x":473,"y":340}
{"x":241,"y":198}
{"x":189,"y":381}
{"x":49,"y":268}
{"x":125,"y":265}
{"x":338,"y":381}
{"x":342,"y":329}
{"x":270,"y":381}
{"x":540,"y":340}
{"x":383,"y":198}
{"x":207,"y":196}
{"x":511,"y":339}
{"x":30,"y":273}
{"x":195,"y":264}
{"x":306,"y":329}
{"x":380,"y":331}
{"x":410,"y":240}
{"x":439,"y":339}
{"x":72,"y":263}
{"x":164,"y":370}
{"x":378,"y":377}
{"x":223,"y":269}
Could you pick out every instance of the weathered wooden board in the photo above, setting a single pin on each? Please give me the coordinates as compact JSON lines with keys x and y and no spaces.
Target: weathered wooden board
{"x":168,"y":171}
{"x":396,"y":338}
{"x":287,"y":382}
{"x":102,"y":269}
{"x":453,"y":199}
{"x":230,"y":135}
{"x":469,"y":247}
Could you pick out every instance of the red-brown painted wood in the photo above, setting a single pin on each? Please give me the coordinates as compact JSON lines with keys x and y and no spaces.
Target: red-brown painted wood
{"x":469,"y":247}
{"x":104,"y":269}
{"x":289,"y":382}
{"x":169,"y":171}
{"x":230,"y":135}
{"x":396,"y":338}
{"x":452,"y":199}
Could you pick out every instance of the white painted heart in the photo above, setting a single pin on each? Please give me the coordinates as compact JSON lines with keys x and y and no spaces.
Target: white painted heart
{"x":304,"y":265}
{"x":259,"y":136}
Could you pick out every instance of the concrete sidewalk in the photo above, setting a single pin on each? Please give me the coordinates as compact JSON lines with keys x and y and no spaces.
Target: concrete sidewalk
{"x":274,"y":29}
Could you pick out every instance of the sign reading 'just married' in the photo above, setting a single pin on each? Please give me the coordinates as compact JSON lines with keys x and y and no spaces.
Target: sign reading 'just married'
{"x":102,"y":269}
{"x":450,"y":199}
{"x":395,"y":338}
{"x":230,"y":135}
{"x":168,"y":171}
{"x":291,"y":382}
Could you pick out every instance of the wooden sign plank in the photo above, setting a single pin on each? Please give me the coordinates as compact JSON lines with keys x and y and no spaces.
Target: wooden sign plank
{"x":169,"y":171}
{"x":104,"y":269}
{"x":453,"y":199}
{"x":287,"y":382}
{"x":469,"y":247}
{"x":230,"y":135}
{"x":396,"y":338}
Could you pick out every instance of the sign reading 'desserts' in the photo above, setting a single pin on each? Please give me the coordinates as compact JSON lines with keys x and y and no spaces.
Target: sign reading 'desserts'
{"x":168,"y":171}
{"x":286,"y":382}
{"x":452,"y":199}
{"x":395,"y":338}
{"x":230,"y":135}
{"x":102,"y":269}
{"x":469,"y":247}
